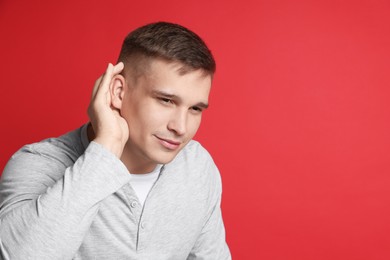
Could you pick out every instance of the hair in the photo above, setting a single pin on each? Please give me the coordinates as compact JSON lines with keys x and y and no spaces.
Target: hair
{"x":167,"y":41}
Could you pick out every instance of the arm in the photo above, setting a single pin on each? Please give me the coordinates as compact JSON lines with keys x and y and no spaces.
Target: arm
{"x":42,"y":217}
{"x":211,"y":243}
{"x":48,"y":219}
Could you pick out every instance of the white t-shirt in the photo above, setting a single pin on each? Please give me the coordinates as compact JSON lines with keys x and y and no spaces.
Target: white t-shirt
{"x":142,"y":183}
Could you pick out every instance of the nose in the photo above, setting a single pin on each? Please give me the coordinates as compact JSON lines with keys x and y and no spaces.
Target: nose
{"x":178,"y":122}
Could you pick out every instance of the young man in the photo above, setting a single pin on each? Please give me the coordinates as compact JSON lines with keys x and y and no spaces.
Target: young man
{"x":131,"y":184}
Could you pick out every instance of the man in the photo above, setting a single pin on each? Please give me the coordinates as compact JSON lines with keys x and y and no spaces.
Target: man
{"x":131,"y":184}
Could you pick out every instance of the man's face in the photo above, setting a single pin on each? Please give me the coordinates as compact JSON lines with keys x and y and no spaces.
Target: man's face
{"x":163,"y":111}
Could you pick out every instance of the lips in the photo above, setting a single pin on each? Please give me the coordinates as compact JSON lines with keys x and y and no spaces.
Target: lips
{"x":169,"y":144}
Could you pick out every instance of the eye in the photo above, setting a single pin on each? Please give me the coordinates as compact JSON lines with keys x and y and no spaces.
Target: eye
{"x":165,"y":100}
{"x":197,"y":109}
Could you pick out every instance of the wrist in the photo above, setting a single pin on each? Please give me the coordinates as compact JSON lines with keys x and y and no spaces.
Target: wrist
{"x":112,"y":145}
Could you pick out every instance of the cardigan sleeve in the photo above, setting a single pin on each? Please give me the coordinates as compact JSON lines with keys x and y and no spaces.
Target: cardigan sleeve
{"x":47,"y":206}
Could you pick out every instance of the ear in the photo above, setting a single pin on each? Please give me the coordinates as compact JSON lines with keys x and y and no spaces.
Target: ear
{"x":117,"y":88}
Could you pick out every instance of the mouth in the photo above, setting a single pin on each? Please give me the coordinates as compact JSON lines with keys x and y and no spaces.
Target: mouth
{"x":169,"y":144}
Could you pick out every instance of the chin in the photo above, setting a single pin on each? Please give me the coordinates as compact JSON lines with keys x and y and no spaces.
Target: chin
{"x":164,"y":158}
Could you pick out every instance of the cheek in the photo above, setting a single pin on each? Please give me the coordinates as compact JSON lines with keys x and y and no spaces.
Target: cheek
{"x":149,"y":116}
{"x":193,"y":125}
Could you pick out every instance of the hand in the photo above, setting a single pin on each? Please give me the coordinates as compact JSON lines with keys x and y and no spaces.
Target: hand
{"x":110,"y":128}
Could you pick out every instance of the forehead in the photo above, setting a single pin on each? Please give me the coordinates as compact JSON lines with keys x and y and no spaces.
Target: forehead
{"x":170,"y":77}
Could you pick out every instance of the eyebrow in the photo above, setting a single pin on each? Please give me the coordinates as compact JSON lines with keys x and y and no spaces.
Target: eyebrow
{"x":175,"y":97}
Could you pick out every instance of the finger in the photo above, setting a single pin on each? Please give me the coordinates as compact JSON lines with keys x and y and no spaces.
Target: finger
{"x":96,"y":86}
{"x":103,"y":87}
{"x":118,"y":68}
{"x":98,"y":83}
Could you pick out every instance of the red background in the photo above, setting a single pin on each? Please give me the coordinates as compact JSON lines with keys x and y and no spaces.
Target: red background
{"x":299,"y":118}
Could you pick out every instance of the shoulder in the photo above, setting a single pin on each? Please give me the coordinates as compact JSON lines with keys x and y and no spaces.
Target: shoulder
{"x":45,"y":160}
{"x":195,"y":157}
{"x":63,"y":150}
{"x":194,"y":161}
{"x":194,"y":152}
{"x":35,"y":167}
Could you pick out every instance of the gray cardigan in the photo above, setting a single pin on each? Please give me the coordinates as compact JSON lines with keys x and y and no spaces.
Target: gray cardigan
{"x":66,"y":198}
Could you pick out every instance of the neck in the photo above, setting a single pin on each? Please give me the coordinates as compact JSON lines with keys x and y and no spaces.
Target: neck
{"x":135,"y":163}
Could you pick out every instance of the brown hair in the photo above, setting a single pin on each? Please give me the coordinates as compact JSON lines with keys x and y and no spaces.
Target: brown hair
{"x":170,"y":42}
